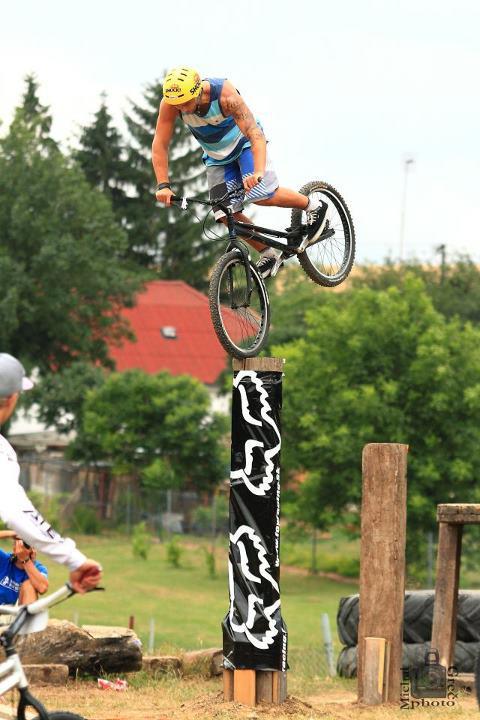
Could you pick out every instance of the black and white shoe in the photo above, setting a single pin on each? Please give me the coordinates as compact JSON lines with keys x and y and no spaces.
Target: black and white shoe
{"x":269,"y":265}
{"x":316,"y":222}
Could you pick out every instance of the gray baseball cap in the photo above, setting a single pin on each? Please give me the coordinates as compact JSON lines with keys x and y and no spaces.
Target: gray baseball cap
{"x":12,"y":376}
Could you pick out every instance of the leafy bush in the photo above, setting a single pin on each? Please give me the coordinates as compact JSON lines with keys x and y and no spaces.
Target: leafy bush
{"x":174,"y":553}
{"x":210,"y":563}
{"x":140,"y":541}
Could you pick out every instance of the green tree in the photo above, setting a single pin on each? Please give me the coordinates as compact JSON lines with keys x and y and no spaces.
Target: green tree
{"x":382,"y":366}
{"x":63,"y":281}
{"x":453,"y":288}
{"x":156,"y":427}
{"x":101,"y":155}
{"x":169,"y":238}
{"x":61,"y":395}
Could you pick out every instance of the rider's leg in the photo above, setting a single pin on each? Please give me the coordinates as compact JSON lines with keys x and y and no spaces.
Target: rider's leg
{"x":283,"y":197}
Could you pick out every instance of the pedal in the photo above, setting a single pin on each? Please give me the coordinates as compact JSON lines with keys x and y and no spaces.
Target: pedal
{"x":306,"y":242}
{"x":277,"y":265}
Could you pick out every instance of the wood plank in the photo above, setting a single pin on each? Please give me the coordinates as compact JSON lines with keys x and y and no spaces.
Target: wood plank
{"x":262,"y":364}
{"x":244,"y":687}
{"x":382,"y":556}
{"x":446,"y":591}
{"x":264,"y":683}
{"x":228,"y":685}
{"x":376,"y":670}
{"x":459,"y":513}
{"x":279,"y":687}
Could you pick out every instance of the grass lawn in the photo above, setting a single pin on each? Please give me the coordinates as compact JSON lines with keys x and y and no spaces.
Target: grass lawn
{"x":186,"y":604}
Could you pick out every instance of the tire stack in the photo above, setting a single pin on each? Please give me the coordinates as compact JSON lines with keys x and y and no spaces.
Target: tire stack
{"x":417,"y":630}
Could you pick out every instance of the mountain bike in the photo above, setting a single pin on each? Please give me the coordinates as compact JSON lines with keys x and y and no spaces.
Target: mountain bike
{"x":238,"y":297}
{"x":27,"y":619}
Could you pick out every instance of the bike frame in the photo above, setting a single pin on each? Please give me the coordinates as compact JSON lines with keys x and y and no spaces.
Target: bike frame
{"x":250,"y":231}
{"x":12,"y":674}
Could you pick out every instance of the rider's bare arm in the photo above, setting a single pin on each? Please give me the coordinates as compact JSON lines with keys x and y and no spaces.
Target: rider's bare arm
{"x":161,"y":142}
{"x":233,"y":104}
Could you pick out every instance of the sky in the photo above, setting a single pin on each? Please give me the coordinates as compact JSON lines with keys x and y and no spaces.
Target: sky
{"x":347,"y":91}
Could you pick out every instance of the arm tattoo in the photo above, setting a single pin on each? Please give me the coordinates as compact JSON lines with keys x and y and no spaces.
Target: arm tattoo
{"x":236,"y":107}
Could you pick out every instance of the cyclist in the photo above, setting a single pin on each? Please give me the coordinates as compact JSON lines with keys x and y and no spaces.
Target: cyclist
{"x":235,"y":152}
{"x":16,"y":510}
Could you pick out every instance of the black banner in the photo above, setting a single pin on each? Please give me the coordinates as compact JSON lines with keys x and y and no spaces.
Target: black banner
{"x":254,"y":634}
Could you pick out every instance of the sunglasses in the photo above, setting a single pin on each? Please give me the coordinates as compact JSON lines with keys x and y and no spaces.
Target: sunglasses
{"x":25,"y":545}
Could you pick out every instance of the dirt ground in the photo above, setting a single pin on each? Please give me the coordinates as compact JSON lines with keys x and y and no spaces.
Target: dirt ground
{"x":201,"y":699}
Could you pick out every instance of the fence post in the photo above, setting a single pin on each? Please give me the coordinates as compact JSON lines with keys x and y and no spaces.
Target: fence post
{"x":254,"y":634}
{"x":328,"y":644}
{"x":382,"y":559}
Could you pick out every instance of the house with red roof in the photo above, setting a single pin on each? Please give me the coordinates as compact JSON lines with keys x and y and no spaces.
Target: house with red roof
{"x":174,"y":332}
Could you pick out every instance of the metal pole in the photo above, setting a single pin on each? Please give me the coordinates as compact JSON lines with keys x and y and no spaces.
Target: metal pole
{"x":407,"y":163}
{"x":328,"y":644}
{"x":442,"y":249}
{"x":151,"y":636}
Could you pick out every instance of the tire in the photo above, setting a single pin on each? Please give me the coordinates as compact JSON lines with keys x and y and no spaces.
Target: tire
{"x":60,"y":715}
{"x":241,"y":330}
{"x":328,"y":262}
{"x":418,"y":617}
{"x":413,"y":655}
{"x":477,"y":679}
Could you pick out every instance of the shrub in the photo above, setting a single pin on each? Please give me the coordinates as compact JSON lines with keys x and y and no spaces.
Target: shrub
{"x":140,"y":541}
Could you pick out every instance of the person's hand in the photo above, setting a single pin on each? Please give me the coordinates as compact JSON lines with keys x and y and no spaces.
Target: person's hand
{"x":86,"y":577}
{"x":22,"y":553}
{"x":250,"y":181}
{"x":164,"y":196}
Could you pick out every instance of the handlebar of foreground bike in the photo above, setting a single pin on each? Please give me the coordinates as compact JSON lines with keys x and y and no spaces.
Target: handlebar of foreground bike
{"x":42,"y":604}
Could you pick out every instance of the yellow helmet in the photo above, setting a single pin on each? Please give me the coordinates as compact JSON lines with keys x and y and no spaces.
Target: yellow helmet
{"x":181,"y":84}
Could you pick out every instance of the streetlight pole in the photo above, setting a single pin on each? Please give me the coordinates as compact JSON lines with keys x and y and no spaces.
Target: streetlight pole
{"x":407,"y":164}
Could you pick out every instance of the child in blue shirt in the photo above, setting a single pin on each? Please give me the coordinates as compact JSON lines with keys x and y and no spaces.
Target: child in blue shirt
{"x":22,"y":577}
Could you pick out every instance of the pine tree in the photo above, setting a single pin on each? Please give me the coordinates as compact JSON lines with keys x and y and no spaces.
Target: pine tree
{"x":101,"y":155}
{"x":171,"y":239}
{"x":34,"y":116}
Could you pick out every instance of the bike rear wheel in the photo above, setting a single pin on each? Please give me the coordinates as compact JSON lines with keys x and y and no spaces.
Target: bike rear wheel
{"x":328,"y":262}
{"x":60,"y":715}
{"x":241,"y":320}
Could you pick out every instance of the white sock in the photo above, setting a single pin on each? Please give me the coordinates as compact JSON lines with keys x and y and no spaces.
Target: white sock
{"x":268,"y":252}
{"x":313,"y":203}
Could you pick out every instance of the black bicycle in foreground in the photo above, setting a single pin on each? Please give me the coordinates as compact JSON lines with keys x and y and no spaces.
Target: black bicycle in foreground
{"x":239,"y":304}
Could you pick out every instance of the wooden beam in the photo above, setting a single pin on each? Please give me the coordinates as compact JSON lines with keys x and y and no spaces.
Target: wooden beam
{"x":260,"y":364}
{"x":382,"y":557}
{"x":228,"y":685}
{"x":264,"y":681}
{"x":376,"y":663}
{"x":444,"y":626}
{"x":244,"y":687}
{"x":459,"y":513}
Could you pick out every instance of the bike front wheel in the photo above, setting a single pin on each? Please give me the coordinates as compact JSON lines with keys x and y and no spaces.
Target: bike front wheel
{"x":328,"y":262}
{"x":240,"y":315}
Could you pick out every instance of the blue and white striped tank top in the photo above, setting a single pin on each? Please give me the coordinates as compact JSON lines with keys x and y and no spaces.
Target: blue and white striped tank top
{"x":220,"y":137}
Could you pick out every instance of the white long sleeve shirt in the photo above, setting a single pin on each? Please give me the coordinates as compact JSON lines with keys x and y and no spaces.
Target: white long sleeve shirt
{"x":19,"y":514}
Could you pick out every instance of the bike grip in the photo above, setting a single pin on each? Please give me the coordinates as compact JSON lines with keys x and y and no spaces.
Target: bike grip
{"x":176,"y":198}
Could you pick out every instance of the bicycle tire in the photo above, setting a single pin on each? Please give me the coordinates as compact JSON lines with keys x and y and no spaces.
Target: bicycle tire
{"x":226,"y":321}
{"x":343,"y":218}
{"x":60,"y":715}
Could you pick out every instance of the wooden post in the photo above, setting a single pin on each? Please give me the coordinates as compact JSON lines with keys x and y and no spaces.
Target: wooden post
{"x":382,"y":558}
{"x":254,"y":634}
{"x":444,"y":629}
{"x":377,"y":663}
